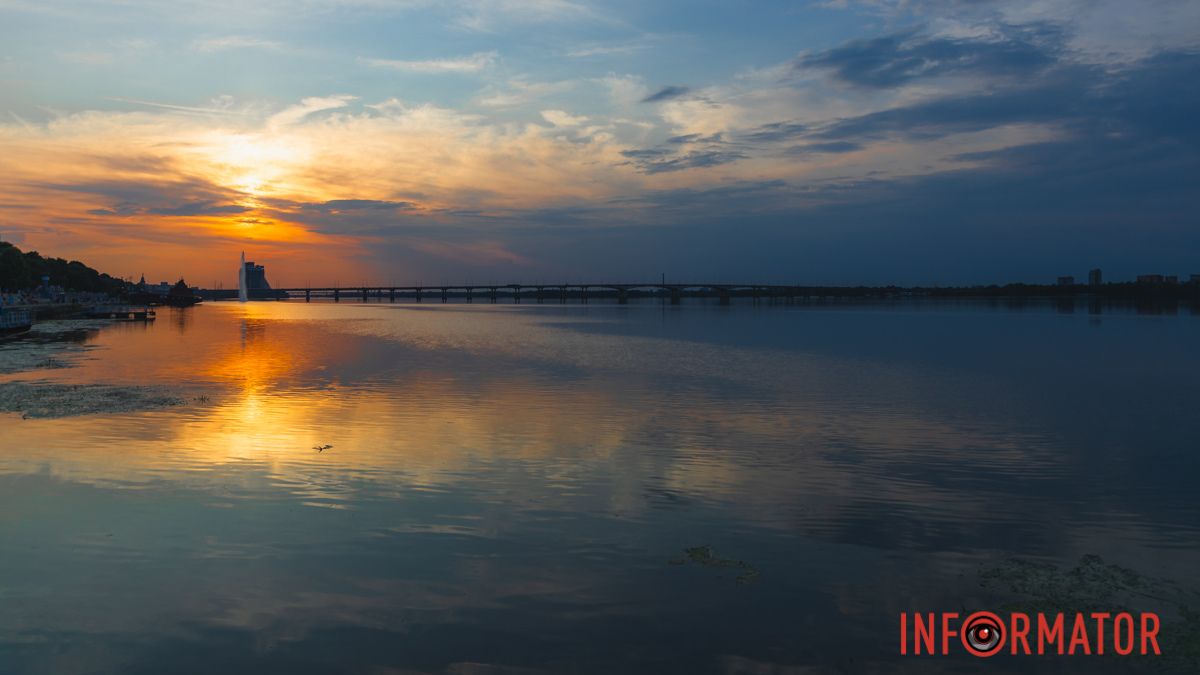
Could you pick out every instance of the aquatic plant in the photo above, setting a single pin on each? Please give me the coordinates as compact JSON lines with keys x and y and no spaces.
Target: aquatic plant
{"x":706,"y":556}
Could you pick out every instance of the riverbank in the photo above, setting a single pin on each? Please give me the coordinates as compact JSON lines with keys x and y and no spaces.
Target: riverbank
{"x":55,"y":344}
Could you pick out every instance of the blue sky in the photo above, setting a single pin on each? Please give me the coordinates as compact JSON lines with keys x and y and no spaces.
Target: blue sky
{"x":909,"y":141}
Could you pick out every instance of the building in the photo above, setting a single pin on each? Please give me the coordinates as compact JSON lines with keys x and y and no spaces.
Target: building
{"x":1194,"y":279}
{"x":161,"y":288}
{"x":1150,"y":278}
{"x":1095,"y":277}
{"x":256,"y":277}
{"x":1066,"y":281}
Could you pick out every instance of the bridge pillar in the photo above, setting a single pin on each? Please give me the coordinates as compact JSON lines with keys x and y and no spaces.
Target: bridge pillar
{"x":337,"y":295}
{"x":307,"y":295}
{"x":723,"y":295}
{"x":417,"y":292}
{"x":493,"y":289}
{"x":676,"y":296}
{"x":470,"y":295}
{"x":562,"y":295}
{"x":391,"y":295}
{"x":540,"y":294}
{"x":517,"y":294}
{"x":443,"y":295}
{"x":583,"y":294}
{"x":622,"y":296}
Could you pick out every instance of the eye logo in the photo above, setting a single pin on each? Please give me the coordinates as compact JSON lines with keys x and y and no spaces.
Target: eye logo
{"x":983,"y":634}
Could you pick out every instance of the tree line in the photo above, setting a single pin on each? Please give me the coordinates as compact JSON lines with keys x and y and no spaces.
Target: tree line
{"x":24,"y":270}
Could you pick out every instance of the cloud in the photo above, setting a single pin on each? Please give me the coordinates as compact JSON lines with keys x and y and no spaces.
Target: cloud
{"x":217,"y":44}
{"x":624,"y":90}
{"x":521,"y":92}
{"x":198,"y":209}
{"x":214,"y":110}
{"x":607,"y":49}
{"x":338,"y":206}
{"x":561,"y":118}
{"x":656,"y":160}
{"x":900,"y":58}
{"x":308,"y":106}
{"x":833,"y":147}
{"x":837,"y":136}
{"x":489,"y":15}
{"x":665,"y":94}
{"x":775,"y":131}
{"x":464,"y":64}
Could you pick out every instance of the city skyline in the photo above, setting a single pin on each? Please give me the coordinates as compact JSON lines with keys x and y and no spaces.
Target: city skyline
{"x":399,"y":141}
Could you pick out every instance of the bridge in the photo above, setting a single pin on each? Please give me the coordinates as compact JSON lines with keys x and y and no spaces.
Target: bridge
{"x":515,"y":293}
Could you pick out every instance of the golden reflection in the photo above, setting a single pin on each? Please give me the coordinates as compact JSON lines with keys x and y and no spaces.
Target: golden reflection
{"x":282,"y":383}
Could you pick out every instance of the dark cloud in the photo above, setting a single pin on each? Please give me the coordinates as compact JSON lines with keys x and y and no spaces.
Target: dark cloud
{"x":656,"y":160}
{"x":774,"y":132}
{"x":174,"y":196}
{"x":1146,"y":99}
{"x":900,"y":58}
{"x":1115,"y":188}
{"x":343,"y":205}
{"x":141,"y":193}
{"x":666,"y":93}
{"x":832,"y":147}
{"x":198,"y":209}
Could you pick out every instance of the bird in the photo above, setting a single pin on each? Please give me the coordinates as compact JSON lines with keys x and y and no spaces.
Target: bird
{"x":322,"y":448}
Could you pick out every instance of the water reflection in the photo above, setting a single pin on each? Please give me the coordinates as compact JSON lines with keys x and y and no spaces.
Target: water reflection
{"x":506,"y":485}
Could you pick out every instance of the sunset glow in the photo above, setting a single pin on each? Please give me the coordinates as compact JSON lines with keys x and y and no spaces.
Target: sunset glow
{"x":394,"y":142}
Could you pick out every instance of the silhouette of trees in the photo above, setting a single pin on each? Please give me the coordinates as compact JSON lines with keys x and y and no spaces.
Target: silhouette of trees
{"x":24,"y":270}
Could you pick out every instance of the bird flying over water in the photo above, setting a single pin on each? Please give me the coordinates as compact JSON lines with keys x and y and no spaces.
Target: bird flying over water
{"x":322,"y":448}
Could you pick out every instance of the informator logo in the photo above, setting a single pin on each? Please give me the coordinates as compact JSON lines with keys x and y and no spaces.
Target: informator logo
{"x":986,"y":634}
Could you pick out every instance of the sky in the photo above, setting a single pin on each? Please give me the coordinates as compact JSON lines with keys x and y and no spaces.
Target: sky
{"x":381,"y":142}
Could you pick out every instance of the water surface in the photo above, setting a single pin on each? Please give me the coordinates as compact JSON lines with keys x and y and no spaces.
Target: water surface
{"x":510,"y":489}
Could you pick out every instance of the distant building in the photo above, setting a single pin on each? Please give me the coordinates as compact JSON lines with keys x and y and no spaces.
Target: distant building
{"x":1095,"y":277}
{"x":1066,"y":281}
{"x":1194,"y":279}
{"x":1170,"y":279}
{"x":256,"y":277}
{"x":1150,"y":278}
{"x":161,"y":288}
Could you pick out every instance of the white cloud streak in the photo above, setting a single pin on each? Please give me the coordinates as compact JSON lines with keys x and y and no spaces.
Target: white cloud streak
{"x":463,"y":64}
{"x":217,"y":44}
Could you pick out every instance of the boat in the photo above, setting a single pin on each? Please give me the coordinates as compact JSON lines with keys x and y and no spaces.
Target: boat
{"x":14,"y":321}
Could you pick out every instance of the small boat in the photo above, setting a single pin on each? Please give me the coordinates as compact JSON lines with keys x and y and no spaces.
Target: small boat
{"x":15,"y":320}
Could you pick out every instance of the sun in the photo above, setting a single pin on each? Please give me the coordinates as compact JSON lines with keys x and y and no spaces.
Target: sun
{"x":253,"y":163}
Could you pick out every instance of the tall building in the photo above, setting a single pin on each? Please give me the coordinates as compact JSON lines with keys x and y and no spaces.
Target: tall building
{"x":1095,"y":278}
{"x":256,"y":277}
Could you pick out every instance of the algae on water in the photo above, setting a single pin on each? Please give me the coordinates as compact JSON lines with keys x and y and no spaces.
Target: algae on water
{"x":706,"y":556}
{"x":1093,"y":585}
{"x":49,"y":400}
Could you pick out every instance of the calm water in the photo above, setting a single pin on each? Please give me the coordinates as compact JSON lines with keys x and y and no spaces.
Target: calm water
{"x":511,"y":488}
